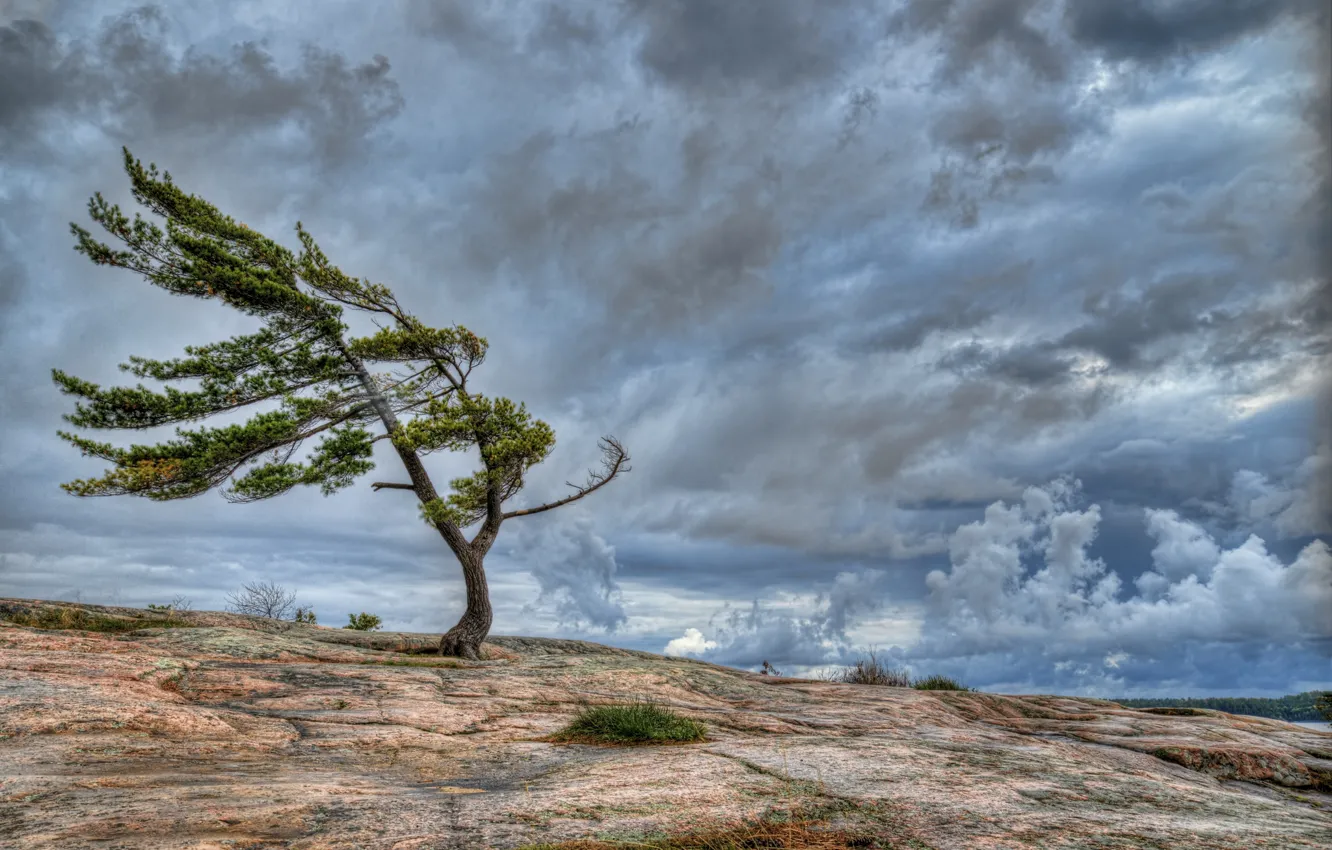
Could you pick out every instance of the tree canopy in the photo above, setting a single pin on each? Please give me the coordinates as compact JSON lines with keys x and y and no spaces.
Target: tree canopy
{"x":302,"y":361}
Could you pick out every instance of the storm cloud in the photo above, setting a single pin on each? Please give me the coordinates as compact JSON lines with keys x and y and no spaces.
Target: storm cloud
{"x":854,"y":284}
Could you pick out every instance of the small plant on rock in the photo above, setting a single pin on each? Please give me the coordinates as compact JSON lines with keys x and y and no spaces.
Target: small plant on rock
{"x":180,"y":603}
{"x":938,"y":683}
{"x":872,"y":670}
{"x":306,"y":616}
{"x":634,"y":723}
{"x":363,"y":622}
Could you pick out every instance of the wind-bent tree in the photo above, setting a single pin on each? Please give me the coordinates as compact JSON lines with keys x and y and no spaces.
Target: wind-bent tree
{"x":321,"y":378}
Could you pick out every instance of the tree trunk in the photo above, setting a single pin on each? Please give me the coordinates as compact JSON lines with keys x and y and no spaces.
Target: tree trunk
{"x":464,"y":639}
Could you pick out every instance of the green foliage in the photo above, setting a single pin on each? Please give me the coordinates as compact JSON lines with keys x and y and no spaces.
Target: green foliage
{"x":634,"y":723}
{"x":363,"y":622}
{"x":510,"y":442}
{"x":301,"y":361}
{"x":938,"y":683}
{"x":306,"y":616}
{"x":1293,"y":708}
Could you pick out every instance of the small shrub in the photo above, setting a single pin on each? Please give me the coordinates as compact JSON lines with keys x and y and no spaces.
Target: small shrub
{"x":305,"y":615}
{"x":363,"y":622}
{"x":769,"y":670}
{"x":634,"y":723}
{"x":872,"y":670}
{"x":938,"y":683}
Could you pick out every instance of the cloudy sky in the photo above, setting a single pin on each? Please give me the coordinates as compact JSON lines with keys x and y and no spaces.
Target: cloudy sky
{"x":989,"y":333}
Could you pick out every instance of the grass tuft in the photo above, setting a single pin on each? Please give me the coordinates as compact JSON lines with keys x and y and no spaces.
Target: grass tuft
{"x":872,"y":670}
{"x":633,"y":723}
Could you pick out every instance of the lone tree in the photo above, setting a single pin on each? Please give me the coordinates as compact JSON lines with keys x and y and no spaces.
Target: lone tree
{"x":304,"y":359}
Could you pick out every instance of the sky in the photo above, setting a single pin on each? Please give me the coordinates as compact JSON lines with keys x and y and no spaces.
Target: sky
{"x":988,"y":334}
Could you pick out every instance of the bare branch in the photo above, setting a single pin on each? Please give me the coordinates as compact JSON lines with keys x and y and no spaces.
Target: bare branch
{"x":615,"y":460}
{"x":388,"y":485}
{"x":263,"y":599}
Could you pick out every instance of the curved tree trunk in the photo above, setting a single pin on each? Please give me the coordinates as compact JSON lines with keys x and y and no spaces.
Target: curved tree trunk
{"x":464,"y":639}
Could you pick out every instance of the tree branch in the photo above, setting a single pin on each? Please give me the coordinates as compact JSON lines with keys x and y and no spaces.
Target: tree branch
{"x":615,"y":460}
{"x":380,"y":485}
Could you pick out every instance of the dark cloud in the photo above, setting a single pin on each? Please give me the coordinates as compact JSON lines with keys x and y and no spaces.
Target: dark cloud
{"x":128,"y":73}
{"x":984,"y":35}
{"x":769,"y":45}
{"x":1155,"y":30}
{"x":839,"y":282}
{"x":645,"y":257}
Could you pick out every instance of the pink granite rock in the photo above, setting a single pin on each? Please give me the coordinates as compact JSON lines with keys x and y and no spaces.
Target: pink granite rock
{"x":230,"y":731}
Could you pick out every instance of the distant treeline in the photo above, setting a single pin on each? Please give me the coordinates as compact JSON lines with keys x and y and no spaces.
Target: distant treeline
{"x":1294,"y":708}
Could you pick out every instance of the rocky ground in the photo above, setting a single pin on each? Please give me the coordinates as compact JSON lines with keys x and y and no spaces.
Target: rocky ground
{"x":228,"y":731}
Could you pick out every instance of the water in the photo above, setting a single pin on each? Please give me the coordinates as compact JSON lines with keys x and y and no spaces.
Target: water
{"x":1320,"y":725}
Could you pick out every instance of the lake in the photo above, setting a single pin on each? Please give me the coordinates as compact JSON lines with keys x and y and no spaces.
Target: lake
{"x":1320,"y":725}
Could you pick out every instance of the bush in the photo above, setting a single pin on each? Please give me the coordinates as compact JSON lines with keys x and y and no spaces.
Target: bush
{"x":306,"y":615}
{"x":871,"y":670}
{"x":363,"y":622}
{"x":938,"y":683}
{"x":634,"y":723}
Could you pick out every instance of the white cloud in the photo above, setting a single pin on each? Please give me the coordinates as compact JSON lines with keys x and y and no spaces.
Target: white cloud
{"x":692,"y":643}
{"x":1071,"y":608}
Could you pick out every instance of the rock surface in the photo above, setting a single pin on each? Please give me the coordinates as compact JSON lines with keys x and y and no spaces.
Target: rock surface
{"x":229,"y":731}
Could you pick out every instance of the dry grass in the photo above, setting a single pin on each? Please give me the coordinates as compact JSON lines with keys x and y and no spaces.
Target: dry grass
{"x":763,"y":835}
{"x":871,"y":670}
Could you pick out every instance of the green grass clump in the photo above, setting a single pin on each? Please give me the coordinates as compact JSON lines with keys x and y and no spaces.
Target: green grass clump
{"x":939,"y":683}
{"x":633,"y":723}
{"x":77,"y":619}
